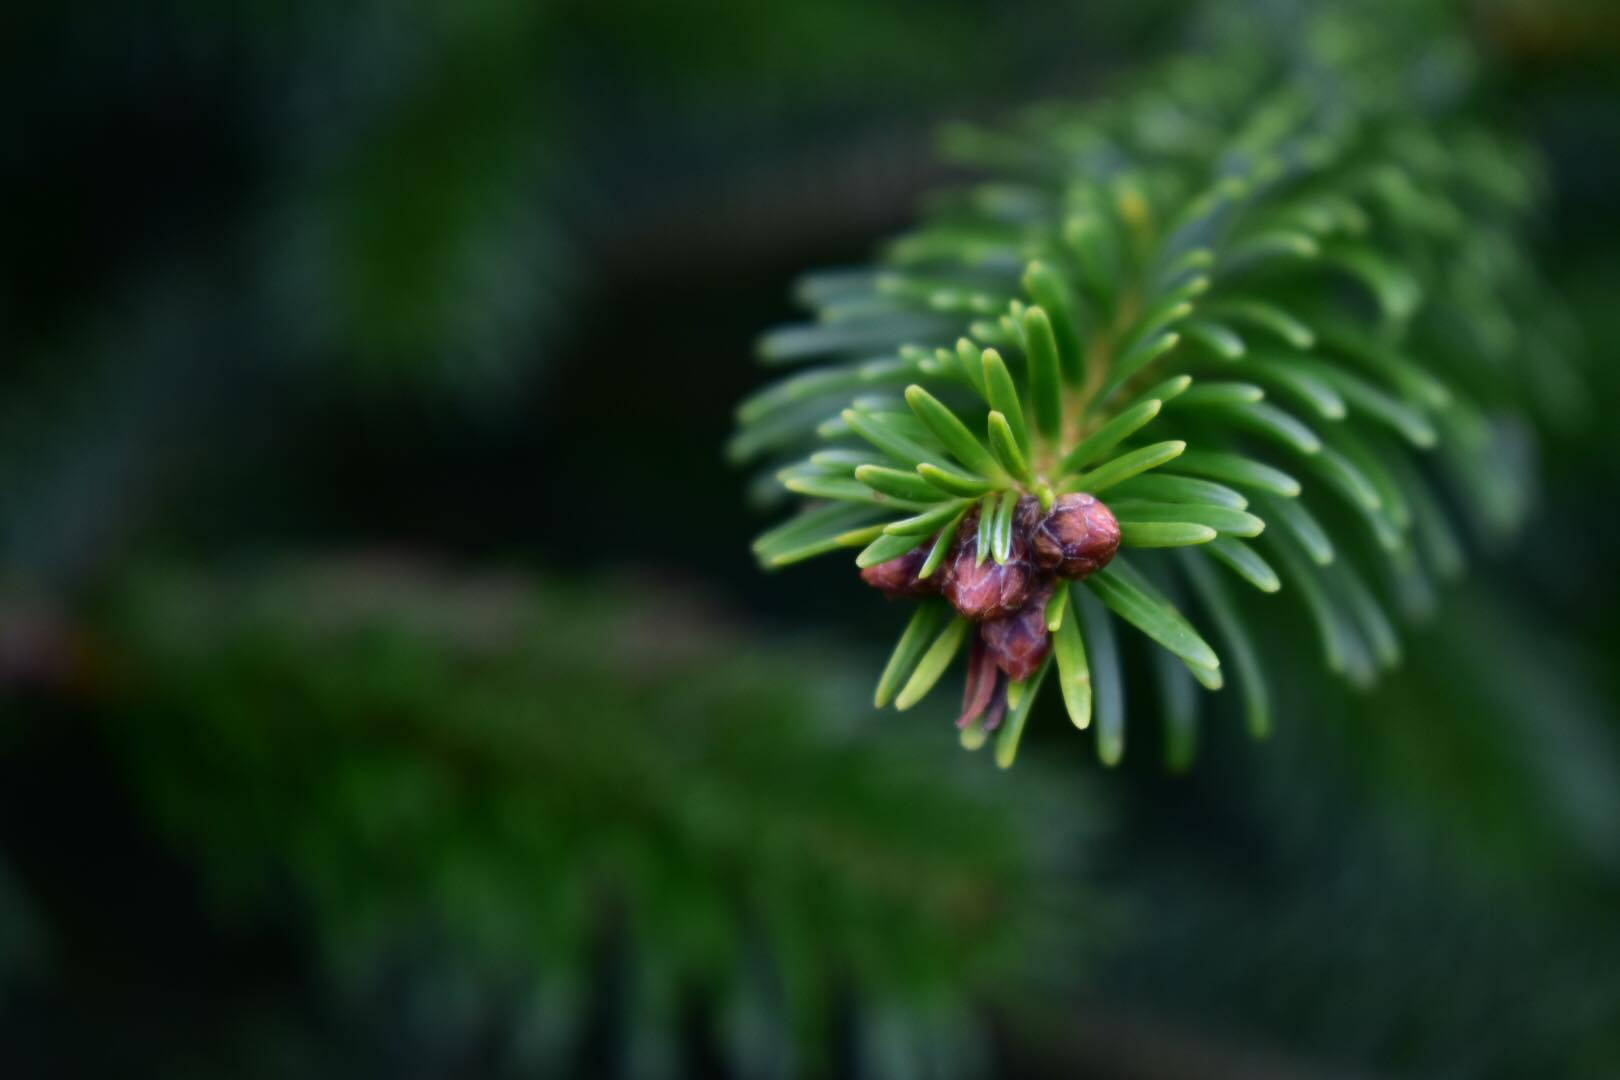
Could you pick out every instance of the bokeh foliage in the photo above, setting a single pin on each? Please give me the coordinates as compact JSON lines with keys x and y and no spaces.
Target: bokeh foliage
{"x":594,"y":801}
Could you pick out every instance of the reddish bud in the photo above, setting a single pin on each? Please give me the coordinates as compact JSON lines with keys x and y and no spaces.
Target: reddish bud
{"x":980,"y":688}
{"x":1027,"y":516}
{"x":1019,"y":642}
{"x":988,"y":589}
{"x":997,"y":711}
{"x":1078,"y":538}
{"x":898,"y":577}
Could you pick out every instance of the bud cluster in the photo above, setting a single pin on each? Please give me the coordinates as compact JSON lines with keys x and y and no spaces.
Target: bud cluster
{"x":1008,"y":600}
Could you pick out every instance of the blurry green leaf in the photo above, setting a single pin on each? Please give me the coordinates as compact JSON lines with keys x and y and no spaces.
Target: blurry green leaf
{"x":952,"y":432}
{"x":1265,"y":316}
{"x":1053,"y":295}
{"x":889,"y":438}
{"x":1125,"y":595}
{"x":971,"y":360}
{"x":1056,"y":608}
{"x":1266,"y":419}
{"x":1341,"y":647}
{"x":1433,"y":531}
{"x":1004,"y":444}
{"x":1271,"y":244}
{"x":1096,"y":247}
{"x":843,"y":460}
{"x":942,"y":546}
{"x":919,"y":634}
{"x":1178,"y":700}
{"x":1363,"y":396}
{"x":1045,"y":386}
{"x":1368,"y":614}
{"x":1222,"y":519}
{"x":886,"y":547}
{"x":812,"y":532}
{"x":1396,"y":291}
{"x":1291,"y":514}
{"x":1300,"y":384}
{"x":933,"y":663}
{"x":1238,"y":470}
{"x":1111,"y":434}
{"x":1003,"y":529}
{"x":1165,"y":487}
{"x":1218,"y":338}
{"x":926,"y":522}
{"x":953,"y":481}
{"x":1188,"y":264}
{"x":1002,"y":393}
{"x":1074,"y":673}
{"x":1229,"y":624}
{"x":1163,"y":534}
{"x":1138,"y":358}
{"x":1164,"y":392}
{"x":989,"y":528}
{"x":804,"y":341}
{"x":821,"y":383}
{"x":1414,"y":382}
{"x":897,"y":484}
{"x":1206,"y":395}
{"x":1108,"y":685}
{"x":1246,"y":563}
{"x":1126,"y":466}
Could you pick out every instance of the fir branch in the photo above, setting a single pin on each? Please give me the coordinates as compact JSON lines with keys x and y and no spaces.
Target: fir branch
{"x":1269,"y":299}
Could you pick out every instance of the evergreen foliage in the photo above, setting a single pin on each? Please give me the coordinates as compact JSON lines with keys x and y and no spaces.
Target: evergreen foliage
{"x":1272,"y":305}
{"x":606,"y":813}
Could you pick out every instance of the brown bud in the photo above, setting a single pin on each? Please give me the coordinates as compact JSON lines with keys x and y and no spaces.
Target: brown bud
{"x":1027,"y":515}
{"x":898,"y":577}
{"x":1019,"y":642}
{"x":988,"y":589}
{"x":980,"y":689}
{"x":1077,"y":538}
{"x":997,"y":711}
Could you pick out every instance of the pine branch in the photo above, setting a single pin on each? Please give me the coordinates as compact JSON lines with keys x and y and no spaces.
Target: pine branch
{"x":1271,"y":310}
